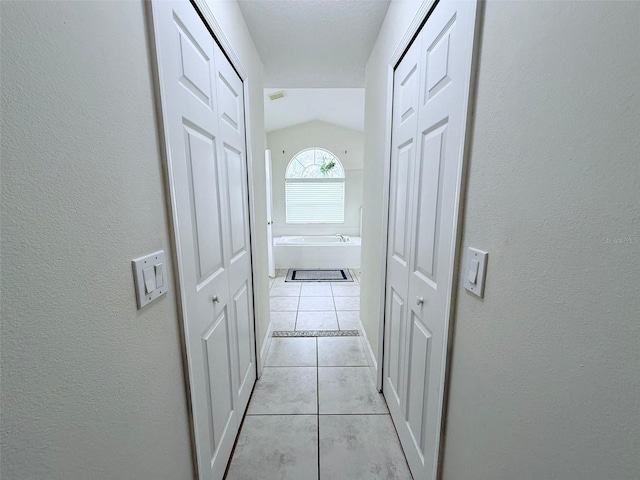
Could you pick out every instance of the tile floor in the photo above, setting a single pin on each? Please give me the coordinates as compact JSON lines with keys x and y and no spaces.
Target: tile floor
{"x":315,"y":412}
{"x":315,"y":305}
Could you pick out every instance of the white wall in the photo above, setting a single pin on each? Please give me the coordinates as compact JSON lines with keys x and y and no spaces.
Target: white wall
{"x":545,"y":379}
{"x":91,"y":387}
{"x":545,"y":371}
{"x":337,"y":140}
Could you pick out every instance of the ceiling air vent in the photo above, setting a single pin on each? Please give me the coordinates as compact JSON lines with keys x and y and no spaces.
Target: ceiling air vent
{"x":276,"y":95}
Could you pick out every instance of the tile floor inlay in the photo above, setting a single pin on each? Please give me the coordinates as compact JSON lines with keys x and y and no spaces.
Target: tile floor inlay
{"x":316,"y":333}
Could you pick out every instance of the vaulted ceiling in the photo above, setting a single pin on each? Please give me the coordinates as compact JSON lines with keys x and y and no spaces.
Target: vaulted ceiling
{"x":314,"y":43}
{"x":340,"y":106}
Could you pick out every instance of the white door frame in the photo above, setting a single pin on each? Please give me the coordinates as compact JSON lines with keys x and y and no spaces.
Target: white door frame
{"x":218,"y":34}
{"x":416,"y":24}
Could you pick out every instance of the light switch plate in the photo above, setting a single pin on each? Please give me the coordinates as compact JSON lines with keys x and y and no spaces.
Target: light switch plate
{"x":475,"y":259}
{"x":156,"y":262}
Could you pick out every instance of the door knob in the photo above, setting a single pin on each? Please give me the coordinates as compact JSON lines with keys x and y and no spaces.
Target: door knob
{"x":419,"y":300}
{"x":215,"y":299}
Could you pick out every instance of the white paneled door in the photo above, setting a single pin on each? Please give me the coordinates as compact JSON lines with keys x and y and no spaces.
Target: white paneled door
{"x":203,"y":117}
{"x":270,"y":258}
{"x":431,"y":90}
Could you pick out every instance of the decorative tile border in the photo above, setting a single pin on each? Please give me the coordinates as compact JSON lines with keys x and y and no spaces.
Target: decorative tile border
{"x":316,"y":333}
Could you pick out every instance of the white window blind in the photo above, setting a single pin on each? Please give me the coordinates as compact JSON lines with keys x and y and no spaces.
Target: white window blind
{"x":315,"y":200}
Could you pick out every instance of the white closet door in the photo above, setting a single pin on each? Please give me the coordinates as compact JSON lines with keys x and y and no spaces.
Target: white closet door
{"x":232,"y":154}
{"x":446,"y":44}
{"x":403,"y":156}
{"x":202,"y":113}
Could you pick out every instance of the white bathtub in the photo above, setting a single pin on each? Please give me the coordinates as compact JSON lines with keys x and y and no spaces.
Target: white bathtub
{"x":316,"y":251}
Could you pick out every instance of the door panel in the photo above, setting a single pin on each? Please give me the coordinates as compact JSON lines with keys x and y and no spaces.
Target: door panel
{"x":230,"y":96}
{"x":270,"y":259}
{"x":394,"y":352}
{"x":437,"y":60}
{"x":428,"y":194}
{"x":217,"y":355}
{"x":235,"y":175}
{"x":417,"y":388}
{"x":245,"y":371}
{"x":406,"y":88}
{"x":202,"y":113}
{"x":400,"y":193}
{"x":416,"y":336}
{"x":200,"y":153}
{"x":195,"y":63}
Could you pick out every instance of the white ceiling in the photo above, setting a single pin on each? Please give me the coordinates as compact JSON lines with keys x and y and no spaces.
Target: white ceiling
{"x":340,"y":106}
{"x":314,"y":43}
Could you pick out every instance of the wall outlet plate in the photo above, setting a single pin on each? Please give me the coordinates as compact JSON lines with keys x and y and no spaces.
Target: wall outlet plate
{"x":147,"y":291}
{"x":475,"y":267}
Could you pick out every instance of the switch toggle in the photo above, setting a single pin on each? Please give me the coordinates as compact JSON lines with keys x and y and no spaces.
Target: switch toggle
{"x":159,"y":275}
{"x":475,"y":266}
{"x":149,"y":279}
{"x":472,"y":276}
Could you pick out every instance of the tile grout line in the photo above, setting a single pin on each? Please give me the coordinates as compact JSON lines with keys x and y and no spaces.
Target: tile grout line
{"x":335,"y":309}
{"x":318,"y":404}
{"x":295,"y":324}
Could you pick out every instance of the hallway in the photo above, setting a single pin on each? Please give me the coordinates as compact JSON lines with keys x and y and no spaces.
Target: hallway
{"x":315,"y":412}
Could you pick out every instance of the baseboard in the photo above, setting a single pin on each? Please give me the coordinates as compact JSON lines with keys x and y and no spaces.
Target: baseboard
{"x":368,"y":351}
{"x":265,"y":347}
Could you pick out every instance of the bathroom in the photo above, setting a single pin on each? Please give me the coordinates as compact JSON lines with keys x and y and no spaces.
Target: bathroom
{"x":316,"y":224}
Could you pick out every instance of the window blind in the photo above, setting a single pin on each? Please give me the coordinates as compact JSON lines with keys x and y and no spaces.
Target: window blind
{"x":315,"y":201}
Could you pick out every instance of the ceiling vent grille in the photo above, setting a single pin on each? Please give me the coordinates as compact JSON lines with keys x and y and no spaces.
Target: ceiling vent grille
{"x":277,"y":95}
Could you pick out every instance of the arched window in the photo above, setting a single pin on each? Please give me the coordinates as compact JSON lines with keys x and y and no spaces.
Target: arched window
{"x":315,"y":187}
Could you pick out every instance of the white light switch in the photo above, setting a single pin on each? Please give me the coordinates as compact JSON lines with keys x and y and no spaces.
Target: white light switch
{"x":159,"y":275}
{"x":475,"y":266}
{"x":472,"y":276}
{"x":149,"y":277}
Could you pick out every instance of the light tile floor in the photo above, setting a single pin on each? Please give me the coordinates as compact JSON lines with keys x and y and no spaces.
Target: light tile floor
{"x":315,"y":412}
{"x":315,"y":305}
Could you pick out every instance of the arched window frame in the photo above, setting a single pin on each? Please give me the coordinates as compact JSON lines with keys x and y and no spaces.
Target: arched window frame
{"x":314,"y":188}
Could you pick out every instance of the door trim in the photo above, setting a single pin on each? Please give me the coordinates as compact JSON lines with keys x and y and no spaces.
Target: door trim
{"x":414,"y":28}
{"x":218,"y":36}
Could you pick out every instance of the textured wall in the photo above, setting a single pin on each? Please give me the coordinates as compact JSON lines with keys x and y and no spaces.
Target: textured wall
{"x":91,"y":387}
{"x":545,"y":378}
{"x":335,"y":139}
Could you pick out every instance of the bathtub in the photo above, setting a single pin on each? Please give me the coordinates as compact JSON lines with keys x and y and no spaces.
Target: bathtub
{"x":316,"y":251}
